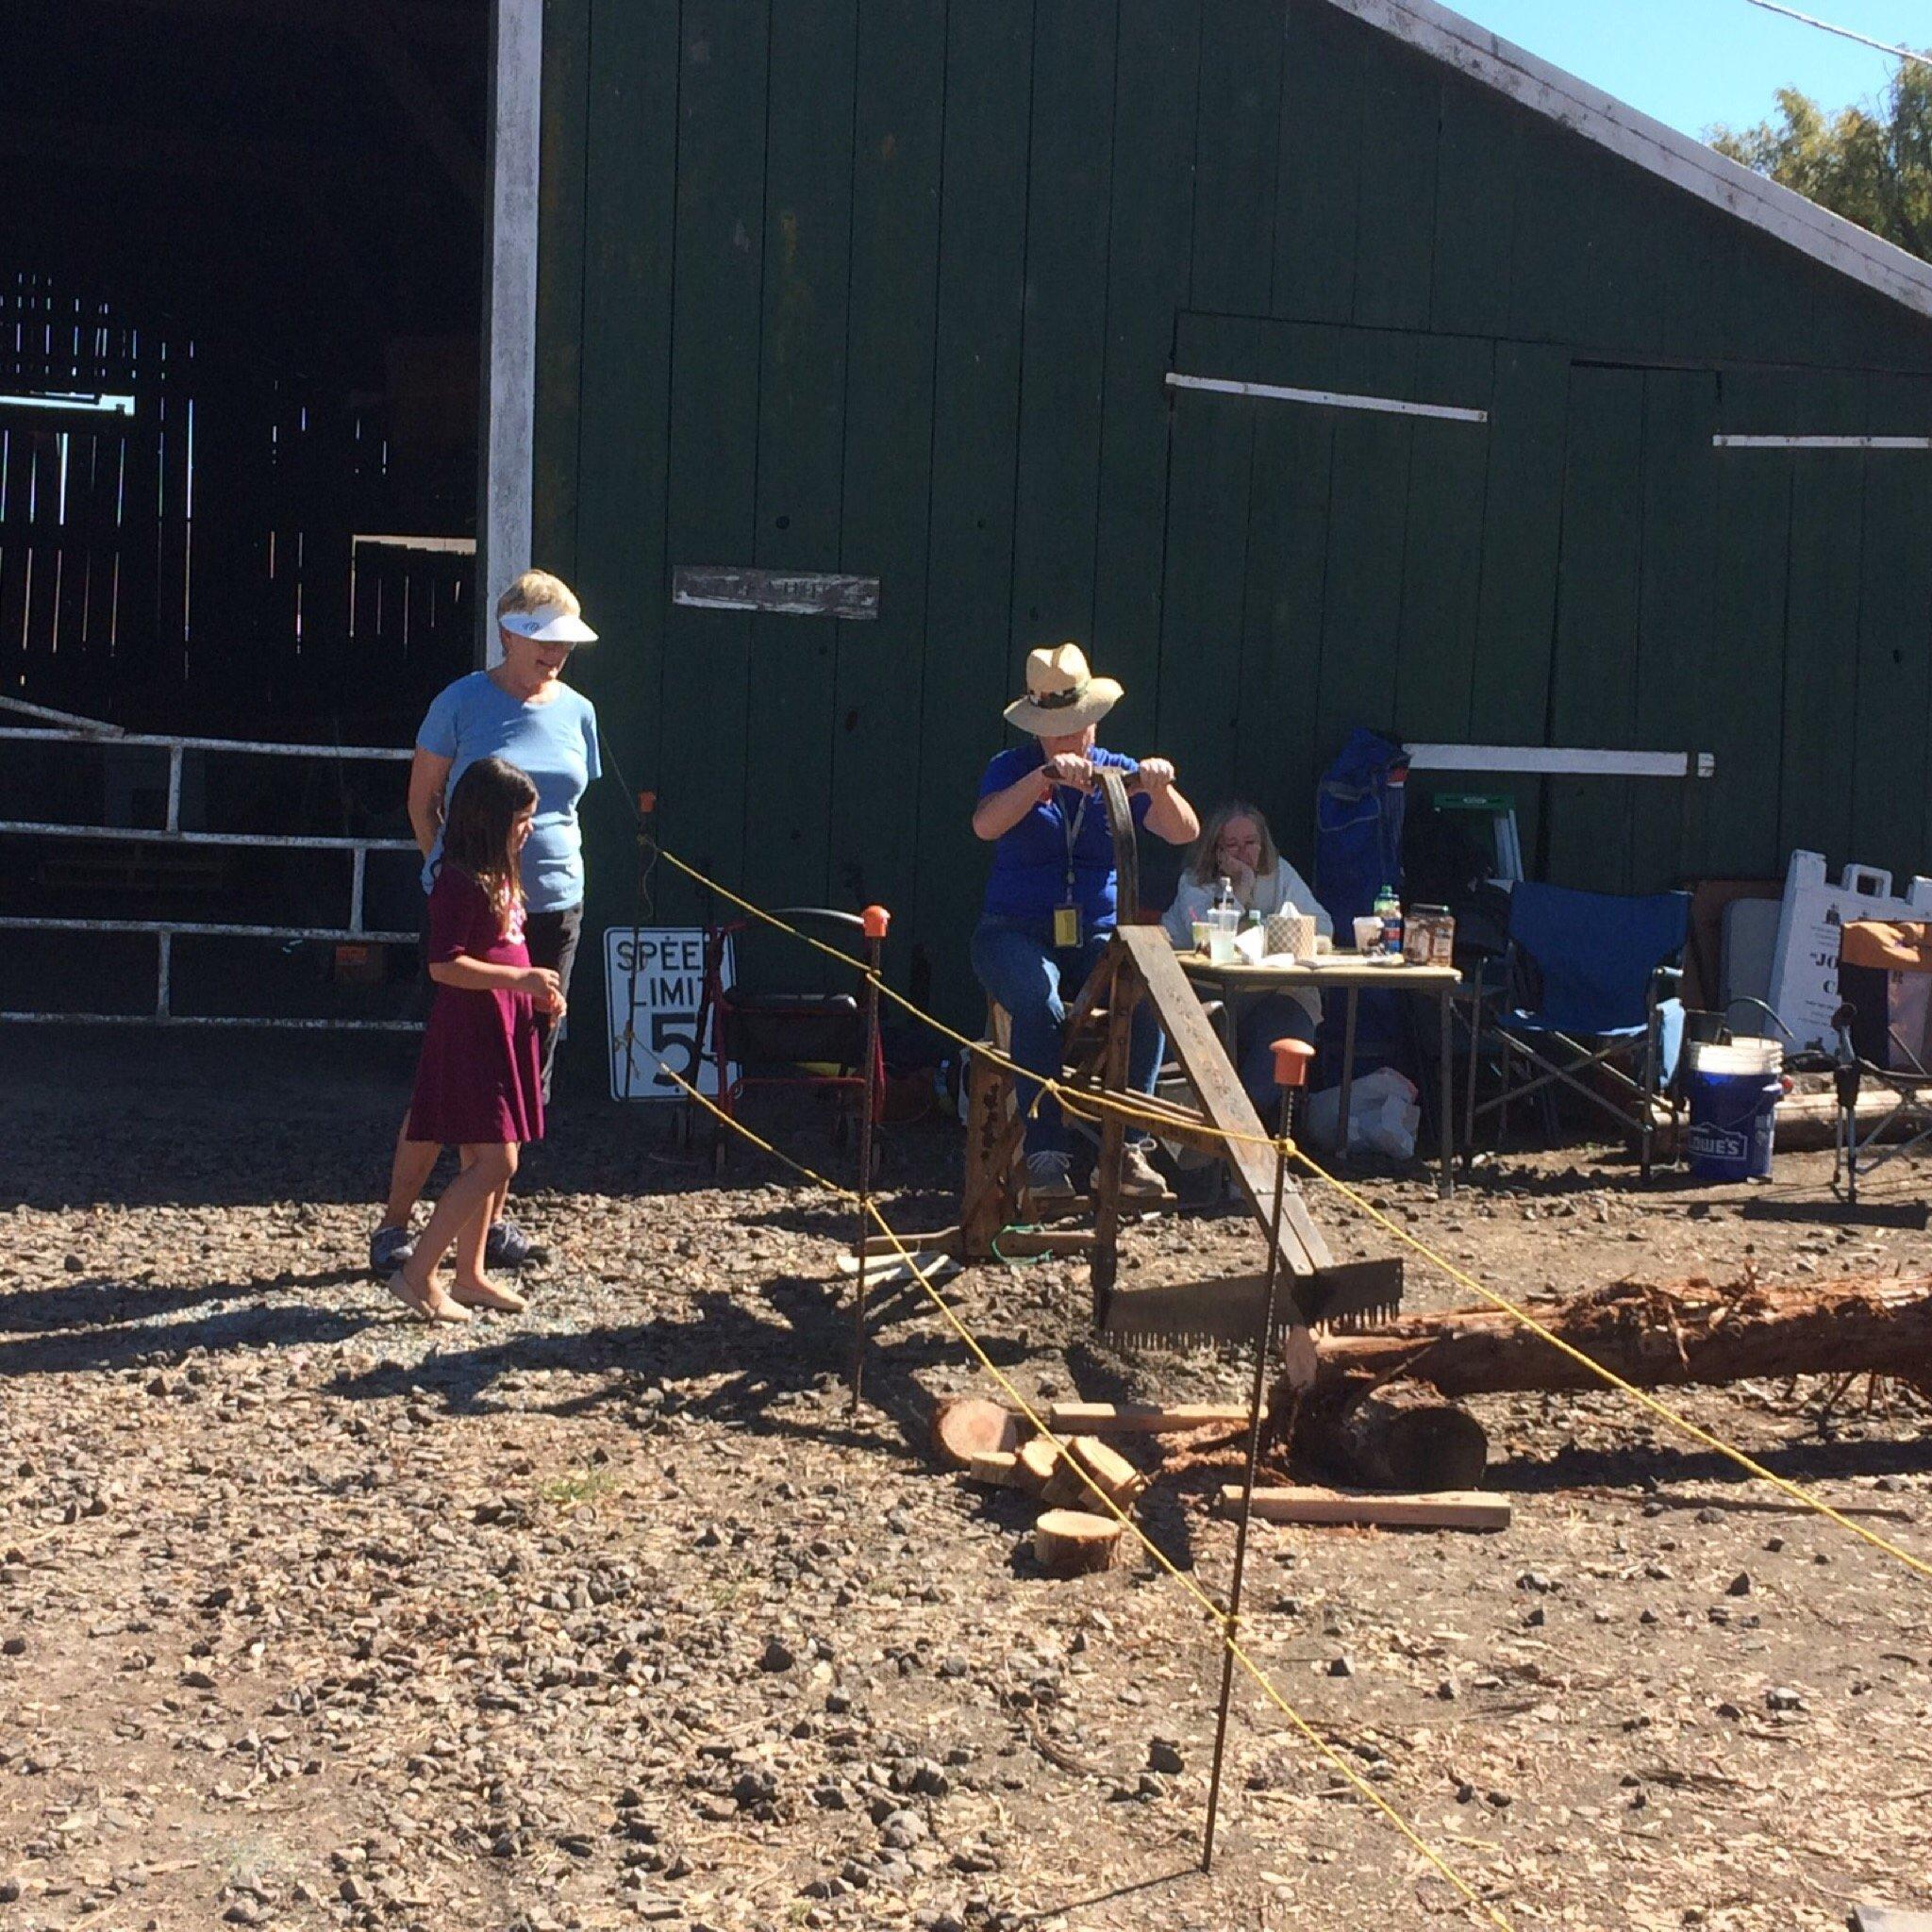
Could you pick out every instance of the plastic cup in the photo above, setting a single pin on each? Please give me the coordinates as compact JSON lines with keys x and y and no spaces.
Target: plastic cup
{"x":1368,"y":933}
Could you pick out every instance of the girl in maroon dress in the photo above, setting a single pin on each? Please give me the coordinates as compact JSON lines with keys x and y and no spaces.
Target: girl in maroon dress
{"x":478,"y":1083}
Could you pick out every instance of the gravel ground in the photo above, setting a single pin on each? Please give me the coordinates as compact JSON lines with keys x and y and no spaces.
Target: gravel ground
{"x":612,"y":1613}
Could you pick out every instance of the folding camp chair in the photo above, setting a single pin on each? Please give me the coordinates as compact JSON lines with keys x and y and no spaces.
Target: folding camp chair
{"x":1604,"y":969}
{"x":1884,"y":1028}
{"x":780,"y":1037}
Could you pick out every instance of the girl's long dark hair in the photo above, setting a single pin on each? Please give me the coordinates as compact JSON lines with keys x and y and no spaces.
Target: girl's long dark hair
{"x":489,"y":799}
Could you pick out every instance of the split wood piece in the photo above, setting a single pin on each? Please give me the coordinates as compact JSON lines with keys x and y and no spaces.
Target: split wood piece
{"x":1657,"y":1335}
{"x":1889,"y":1918}
{"x":1146,"y":1418}
{"x":1071,"y":1542}
{"x":1112,"y":1475}
{"x":888,"y":1271}
{"x":996,"y":1468}
{"x":1224,"y":1100}
{"x":1038,"y":1459}
{"x":965,"y":1424}
{"x":1450,"y":1509}
{"x":945,"y":1240}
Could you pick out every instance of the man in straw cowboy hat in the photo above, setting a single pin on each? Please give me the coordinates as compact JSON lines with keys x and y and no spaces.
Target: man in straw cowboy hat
{"x":1050,"y":902}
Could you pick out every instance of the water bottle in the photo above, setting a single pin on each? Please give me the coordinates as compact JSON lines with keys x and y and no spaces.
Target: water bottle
{"x":1389,"y":910}
{"x":1224,"y":922}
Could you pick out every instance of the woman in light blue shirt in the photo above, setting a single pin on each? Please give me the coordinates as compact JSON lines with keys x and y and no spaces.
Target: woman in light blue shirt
{"x":522,"y":712}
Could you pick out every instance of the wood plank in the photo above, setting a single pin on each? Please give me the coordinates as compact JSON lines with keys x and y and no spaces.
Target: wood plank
{"x":561,"y":284}
{"x":1592,"y":697}
{"x":801,"y":436}
{"x":1442,"y":552}
{"x":898,"y":112}
{"x":1746,"y":728}
{"x":1150,"y":230}
{"x":1069,"y":189}
{"x":1675,"y":614}
{"x":1236,"y":138}
{"x":1479,"y":156}
{"x":971,"y":667}
{"x":1368,"y":515}
{"x":1394,"y":238}
{"x":1198,"y":714}
{"x":1443,"y":1510}
{"x":1820,"y":708}
{"x":1223,"y":1098}
{"x":1146,"y":1418}
{"x":720,"y":254}
{"x":1319,"y":159}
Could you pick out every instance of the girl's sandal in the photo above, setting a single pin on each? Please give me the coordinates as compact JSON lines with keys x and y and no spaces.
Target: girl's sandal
{"x":505,"y":1301}
{"x":427,"y":1305}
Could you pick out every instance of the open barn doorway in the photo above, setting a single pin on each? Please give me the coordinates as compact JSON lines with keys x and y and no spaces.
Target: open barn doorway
{"x":241,"y":274}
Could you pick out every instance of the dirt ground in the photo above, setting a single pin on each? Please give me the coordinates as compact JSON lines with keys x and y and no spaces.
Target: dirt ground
{"x":613,"y":1613}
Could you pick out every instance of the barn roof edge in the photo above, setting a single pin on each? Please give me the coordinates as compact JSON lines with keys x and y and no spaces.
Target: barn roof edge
{"x":1675,"y":158}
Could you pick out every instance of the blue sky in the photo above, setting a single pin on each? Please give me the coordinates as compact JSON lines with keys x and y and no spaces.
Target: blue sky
{"x":1692,"y":62}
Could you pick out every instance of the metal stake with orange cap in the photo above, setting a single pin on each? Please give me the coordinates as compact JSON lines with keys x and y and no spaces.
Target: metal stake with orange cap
{"x":1292,"y":1057}
{"x":874,"y":922}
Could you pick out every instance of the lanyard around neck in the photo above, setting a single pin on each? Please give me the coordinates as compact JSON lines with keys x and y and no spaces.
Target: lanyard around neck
{"x":1072,"y":829}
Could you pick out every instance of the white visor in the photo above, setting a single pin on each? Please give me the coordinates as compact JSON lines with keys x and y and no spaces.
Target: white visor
{"x":549,"y":623}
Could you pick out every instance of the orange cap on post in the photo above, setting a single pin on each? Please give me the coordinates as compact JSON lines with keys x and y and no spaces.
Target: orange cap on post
{"x":647,"y":802}
{"x":1292,"y":1057}
{"x":875,"y":919}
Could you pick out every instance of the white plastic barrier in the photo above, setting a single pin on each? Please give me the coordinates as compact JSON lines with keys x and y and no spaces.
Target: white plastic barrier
{"x":1804,"y":972}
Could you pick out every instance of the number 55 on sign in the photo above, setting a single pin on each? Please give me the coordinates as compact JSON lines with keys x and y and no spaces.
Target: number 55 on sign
{"x":654,"y":983}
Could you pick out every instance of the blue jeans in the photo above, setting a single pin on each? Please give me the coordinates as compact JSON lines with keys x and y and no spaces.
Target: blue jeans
{"x":1021,"y":967}
{"x":1257,"y":1026}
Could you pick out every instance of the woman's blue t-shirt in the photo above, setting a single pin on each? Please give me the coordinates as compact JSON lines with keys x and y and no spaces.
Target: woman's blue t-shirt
{"x":555,"y":743}
{"x":1029,"y":863}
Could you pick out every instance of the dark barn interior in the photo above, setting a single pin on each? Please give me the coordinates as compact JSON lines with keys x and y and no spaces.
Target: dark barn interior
{"x":240,"y":276}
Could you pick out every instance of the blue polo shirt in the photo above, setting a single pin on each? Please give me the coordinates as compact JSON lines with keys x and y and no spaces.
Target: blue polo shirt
{"x":1029,"y":863}
{"x":554,"y":744}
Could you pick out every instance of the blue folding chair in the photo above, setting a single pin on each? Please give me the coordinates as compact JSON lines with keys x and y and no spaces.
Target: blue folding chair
{"x":1593,"y":977}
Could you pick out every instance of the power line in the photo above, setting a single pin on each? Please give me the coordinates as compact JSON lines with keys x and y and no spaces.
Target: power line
{"x":1845,"y":33}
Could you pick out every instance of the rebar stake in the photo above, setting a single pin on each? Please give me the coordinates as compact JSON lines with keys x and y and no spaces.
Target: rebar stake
{"x":877,"y":920}
{"x":1291,"y":1058}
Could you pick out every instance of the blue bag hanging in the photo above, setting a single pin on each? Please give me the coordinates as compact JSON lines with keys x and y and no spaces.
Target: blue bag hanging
{"x":1359,"y":806}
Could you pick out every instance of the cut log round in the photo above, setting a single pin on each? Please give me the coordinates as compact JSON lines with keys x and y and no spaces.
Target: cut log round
{"x":1037,"y":1460}
{"x":1071,"y":1542}
{"x":965,"y":1424}
{"x":997,"y":1468}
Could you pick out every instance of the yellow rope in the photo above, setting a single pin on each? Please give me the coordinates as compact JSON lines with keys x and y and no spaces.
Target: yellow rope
{"x":1091,"y":1108}
{"x":1226,"y":1623}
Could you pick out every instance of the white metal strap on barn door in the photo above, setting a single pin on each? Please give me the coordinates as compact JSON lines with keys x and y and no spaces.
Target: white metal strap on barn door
{"x":93,"y":732}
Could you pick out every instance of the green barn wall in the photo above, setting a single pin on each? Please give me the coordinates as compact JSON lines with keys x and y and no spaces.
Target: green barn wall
{"x":891,"y":286}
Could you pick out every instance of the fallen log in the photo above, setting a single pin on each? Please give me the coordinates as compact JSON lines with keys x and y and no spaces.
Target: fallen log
{"x":1656,"y":1336}
{"x":1357,"y":1426}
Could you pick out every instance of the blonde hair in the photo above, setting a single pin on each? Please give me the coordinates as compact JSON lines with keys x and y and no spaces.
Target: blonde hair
{"x":1203,"y":867}
{"x":535,"y":591}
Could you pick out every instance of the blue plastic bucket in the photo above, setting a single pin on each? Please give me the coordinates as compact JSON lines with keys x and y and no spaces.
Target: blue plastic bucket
{"x":1732,"y":1122}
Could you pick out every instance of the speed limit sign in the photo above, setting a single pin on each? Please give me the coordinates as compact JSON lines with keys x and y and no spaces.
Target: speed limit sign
{"x":654,"y":984}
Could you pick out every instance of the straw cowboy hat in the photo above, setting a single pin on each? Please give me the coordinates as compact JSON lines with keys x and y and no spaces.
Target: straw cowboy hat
{"x":1062,"y":695}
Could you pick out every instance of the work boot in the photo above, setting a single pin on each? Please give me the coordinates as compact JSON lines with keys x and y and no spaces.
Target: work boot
{"x":1140,"y":1179}
{"x":1048,"y":1183}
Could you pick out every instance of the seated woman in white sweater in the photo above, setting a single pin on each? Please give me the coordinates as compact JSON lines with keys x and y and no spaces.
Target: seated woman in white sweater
{"x":1236,"y":845}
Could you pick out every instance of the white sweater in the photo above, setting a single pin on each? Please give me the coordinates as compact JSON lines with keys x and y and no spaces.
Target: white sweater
{"x":1283,"y":890}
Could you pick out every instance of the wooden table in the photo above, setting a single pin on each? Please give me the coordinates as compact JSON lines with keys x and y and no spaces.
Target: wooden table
{"x":1241,"y":979}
